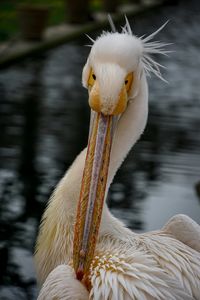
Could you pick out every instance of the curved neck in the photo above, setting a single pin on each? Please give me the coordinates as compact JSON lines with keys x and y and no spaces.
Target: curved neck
{"x":130,"y":126}
{"x":58,"y":220}
{"x":128,"y":130}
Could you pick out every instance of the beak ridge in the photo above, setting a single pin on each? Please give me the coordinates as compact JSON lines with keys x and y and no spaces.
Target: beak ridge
{"x":92,"y":193}
{"x":107,"y":107}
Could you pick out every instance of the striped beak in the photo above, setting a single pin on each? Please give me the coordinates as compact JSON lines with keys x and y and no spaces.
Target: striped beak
{"x":92,"y":193}
{"x":94,"y":181}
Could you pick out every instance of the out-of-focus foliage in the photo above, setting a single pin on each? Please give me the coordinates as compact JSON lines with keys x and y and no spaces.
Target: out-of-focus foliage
{"x":57,"y":13}
{"x":9,"y":20}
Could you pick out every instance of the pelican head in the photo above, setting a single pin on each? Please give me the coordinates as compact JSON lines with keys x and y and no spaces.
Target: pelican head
{"x":113,"y":74}
{"x":112,"y":66}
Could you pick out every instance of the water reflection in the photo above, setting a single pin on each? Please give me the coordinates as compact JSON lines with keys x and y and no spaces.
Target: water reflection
{"x":44,"y":121}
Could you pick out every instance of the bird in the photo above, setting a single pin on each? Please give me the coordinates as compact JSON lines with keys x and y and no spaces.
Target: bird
{"x":82,"y":250}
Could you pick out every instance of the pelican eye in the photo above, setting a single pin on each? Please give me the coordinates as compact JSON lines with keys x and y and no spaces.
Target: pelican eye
{"x":129,"y":81}
{"x":91,"y":79}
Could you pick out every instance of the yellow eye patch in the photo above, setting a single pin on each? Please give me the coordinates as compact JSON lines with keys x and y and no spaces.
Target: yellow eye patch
{"x":128,"y":81}
{"x":91,"y":79}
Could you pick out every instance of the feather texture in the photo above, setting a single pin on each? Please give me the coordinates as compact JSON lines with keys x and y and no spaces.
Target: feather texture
{"x":149,"y":47}
{"x":127,"y":266}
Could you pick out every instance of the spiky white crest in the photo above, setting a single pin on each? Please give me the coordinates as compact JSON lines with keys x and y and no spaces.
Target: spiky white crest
{"x":112,"y":24}
{"x":153,"y":47}
{"x":149,"y":47}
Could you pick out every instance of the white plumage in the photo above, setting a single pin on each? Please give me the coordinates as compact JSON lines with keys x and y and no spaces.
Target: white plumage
{"x":160,"y":265}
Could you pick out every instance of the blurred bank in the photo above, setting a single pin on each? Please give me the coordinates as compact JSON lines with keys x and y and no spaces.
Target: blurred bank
{"x":44,"y":119}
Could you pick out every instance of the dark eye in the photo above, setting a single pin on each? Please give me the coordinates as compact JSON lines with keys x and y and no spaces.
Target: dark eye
{"x":94,"y":76}
{"x":126,"y":81}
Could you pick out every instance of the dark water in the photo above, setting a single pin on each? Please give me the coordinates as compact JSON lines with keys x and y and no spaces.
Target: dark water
{"x":44,"y":120}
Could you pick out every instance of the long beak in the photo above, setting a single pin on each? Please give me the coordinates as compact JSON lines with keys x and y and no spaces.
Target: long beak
{"x":92,"y":193}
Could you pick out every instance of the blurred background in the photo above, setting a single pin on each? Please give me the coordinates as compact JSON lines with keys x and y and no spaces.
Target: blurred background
{"x":44,"y":118}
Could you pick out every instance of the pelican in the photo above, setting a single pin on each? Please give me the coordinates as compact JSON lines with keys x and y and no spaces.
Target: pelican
{"x":83,"y":251}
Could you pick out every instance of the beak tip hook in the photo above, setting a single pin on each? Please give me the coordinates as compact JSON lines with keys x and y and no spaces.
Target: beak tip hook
{"x":79,"y":274}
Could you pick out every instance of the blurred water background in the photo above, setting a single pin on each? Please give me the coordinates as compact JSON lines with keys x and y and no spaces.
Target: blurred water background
{"x":44,"y":119}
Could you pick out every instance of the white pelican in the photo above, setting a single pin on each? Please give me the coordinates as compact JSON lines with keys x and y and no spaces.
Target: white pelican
{"x":111,"y":262}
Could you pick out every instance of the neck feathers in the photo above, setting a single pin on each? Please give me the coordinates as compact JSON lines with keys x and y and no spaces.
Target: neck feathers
{"x":54,"y":244}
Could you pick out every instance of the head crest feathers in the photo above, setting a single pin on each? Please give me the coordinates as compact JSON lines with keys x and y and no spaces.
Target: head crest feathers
{"x":150,"y":47}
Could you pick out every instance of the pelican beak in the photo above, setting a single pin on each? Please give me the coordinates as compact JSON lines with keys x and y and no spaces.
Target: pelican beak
{"x":93,"y":186}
